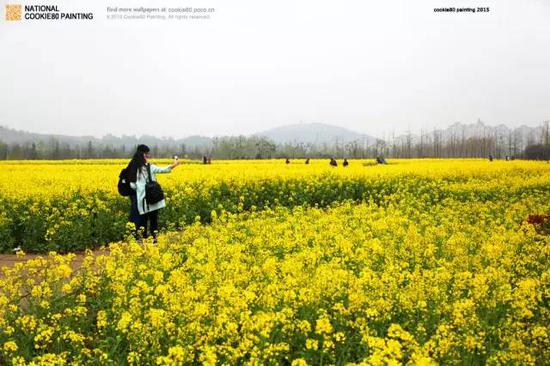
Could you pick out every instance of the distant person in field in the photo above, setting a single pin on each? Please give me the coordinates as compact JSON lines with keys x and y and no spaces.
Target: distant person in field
{"x":204,"y":159}
{"x":345,"y":163}
{"x":490,"y":157}
{"x":333,"y":162}
{"x":307,"y":161}
{"x":287,"y":161}
{"x":380,"y":160}
{"x":143,"y":214}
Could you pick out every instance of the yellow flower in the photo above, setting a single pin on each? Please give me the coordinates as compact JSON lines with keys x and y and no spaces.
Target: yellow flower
{"x":299,"y":362}
{"x":10,"y":347}
{"x":124,"y":321}
{"x":323,"y":326}
{"x":101,"y":319}
{"x":312,"y":344}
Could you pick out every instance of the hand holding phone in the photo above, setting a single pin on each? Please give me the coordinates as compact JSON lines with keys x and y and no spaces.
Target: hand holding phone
{"x":176,"y":162}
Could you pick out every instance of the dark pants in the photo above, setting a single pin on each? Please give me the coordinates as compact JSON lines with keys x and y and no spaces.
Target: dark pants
{"x":134,"y":213}
{"x":141,"y":221}
{"x":153,"y":219}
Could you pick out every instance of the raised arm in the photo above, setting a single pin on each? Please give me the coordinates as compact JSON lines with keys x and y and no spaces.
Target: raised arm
{"x":167,"y":169}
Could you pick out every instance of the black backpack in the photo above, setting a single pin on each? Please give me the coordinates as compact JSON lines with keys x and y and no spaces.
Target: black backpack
{"x":124,"y":183}
{"x":153,"y":191}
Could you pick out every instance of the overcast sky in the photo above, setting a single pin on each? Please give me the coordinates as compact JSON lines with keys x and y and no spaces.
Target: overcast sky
{"x":370,"y":66}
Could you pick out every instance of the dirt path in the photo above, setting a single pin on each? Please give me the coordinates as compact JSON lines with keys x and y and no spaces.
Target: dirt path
{"x":8,"y":260}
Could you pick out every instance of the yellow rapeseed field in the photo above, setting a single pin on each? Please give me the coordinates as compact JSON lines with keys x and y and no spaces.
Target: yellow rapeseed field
{"x":73,"y":205}
{"x":419,"y":262}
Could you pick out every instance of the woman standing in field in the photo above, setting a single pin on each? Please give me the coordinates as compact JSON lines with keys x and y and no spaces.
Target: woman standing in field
{"x":141,"y":212}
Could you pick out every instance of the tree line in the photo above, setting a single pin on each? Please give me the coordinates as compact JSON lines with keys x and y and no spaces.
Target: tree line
{"x":434,"y":144}
{"x":457,"y":145}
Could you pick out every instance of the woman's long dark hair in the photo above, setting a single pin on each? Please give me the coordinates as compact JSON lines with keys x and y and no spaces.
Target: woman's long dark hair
{"x":137,"y":162}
